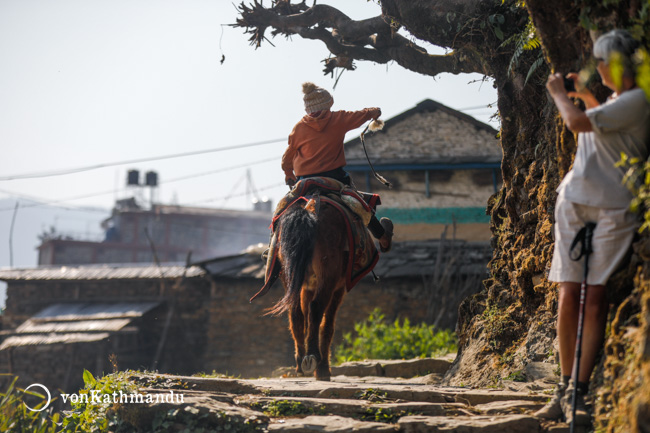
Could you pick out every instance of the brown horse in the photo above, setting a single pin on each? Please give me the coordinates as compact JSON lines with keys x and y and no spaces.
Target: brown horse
{"x":312,"y":239}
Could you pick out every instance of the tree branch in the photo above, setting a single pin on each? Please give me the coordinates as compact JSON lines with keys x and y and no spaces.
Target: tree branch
{"x":373,"y":39}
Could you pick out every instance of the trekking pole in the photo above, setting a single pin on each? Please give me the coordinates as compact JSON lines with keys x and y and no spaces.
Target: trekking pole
{"x":584,"y":237}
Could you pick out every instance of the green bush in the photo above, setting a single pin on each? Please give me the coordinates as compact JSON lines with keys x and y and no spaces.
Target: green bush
{"x":377,"y":339}
{"x":97,"y":417}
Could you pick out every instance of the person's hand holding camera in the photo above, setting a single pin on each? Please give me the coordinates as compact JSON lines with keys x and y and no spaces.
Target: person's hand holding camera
{"x":580,"y":91}
{"x":572,"y":87}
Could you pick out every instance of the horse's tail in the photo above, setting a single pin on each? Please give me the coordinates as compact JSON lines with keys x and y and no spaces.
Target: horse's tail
{"x":297,"y":240}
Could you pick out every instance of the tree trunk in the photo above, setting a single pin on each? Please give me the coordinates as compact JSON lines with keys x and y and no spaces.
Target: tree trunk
{"x":511,"y":320}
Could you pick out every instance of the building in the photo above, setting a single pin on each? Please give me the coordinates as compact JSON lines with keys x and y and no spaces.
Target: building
{"x":133,"y":234}
{"x":443,"y":164}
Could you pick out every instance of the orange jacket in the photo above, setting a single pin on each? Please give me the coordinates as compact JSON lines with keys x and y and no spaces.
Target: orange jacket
{"x":316,"y":143}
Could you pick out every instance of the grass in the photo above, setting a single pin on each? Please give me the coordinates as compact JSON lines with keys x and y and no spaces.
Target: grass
{"x":285,"y":408}
{"x":16,"y":417}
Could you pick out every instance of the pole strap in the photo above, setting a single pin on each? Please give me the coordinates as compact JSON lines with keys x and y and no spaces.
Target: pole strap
{"x":583,"y":238}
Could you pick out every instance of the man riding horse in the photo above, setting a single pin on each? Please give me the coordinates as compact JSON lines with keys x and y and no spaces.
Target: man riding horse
{"x":316,"y":148}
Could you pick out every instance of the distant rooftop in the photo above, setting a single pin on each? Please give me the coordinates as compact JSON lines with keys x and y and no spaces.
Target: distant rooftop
{"x":405,"y":259}
{"x":81,"y":322}
{"x":429,"y":133}
{"x":101,"y":272}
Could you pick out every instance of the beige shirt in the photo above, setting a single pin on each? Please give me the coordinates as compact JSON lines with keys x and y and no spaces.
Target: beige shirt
{"x":620,"y":125}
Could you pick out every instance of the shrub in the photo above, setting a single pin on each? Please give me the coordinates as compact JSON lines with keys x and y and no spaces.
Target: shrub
{"x":377,"y":339}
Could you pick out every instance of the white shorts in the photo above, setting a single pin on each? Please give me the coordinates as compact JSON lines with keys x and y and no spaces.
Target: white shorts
{"x":615,"y":228}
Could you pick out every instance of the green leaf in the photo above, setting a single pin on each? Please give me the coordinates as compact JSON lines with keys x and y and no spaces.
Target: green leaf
{"x":536,"y":64}
{"x":89,"y":379}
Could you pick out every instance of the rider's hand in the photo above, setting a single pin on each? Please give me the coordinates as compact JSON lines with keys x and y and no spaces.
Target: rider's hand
{"x":375,"y":112}
{"x":290,"y":181}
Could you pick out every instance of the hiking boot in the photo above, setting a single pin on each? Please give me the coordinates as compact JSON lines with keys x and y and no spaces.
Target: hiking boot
{"x":583,"y":417}
{"x":386,"y":241}
{"x":553,"y":409}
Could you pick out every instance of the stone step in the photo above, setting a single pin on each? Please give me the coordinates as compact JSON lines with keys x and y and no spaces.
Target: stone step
{"x":505,"y":407}
{"x":168,"y":381}
{"x":466,"y":424}
{"x":342,"y":405}
{"x":199,"y":408}
{"x":394,"y":368}
{"x":384,"y":368}
{"x":392,"y":390}
{"x":362,"y":409}
{"x":409,"y":424}
{"x":337,"y":388}
{"x":329,"y":424}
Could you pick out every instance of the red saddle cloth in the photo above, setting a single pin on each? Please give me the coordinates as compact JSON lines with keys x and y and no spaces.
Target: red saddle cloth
{"x":362,"y":254}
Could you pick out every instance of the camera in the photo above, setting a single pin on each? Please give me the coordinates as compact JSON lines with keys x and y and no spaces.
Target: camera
{"x":569,"y":85}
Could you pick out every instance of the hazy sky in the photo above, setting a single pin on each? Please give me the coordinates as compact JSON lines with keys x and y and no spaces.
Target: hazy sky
{"x":90,"y":82}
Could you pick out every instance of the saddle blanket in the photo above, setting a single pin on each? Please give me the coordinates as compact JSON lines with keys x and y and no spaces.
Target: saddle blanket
{"x":356,"y":209}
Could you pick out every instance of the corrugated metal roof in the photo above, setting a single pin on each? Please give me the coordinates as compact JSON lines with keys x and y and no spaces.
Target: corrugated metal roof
{"x":93,"y":311}
{"x":76,"y":323}
{"x":406,"y":259}
{"x":240,"y":265}
{"x":33,"y":327}
{"x":42,"y":339}
{"x":102,"y":272}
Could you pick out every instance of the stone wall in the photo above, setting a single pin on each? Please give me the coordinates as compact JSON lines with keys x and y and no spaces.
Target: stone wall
{"x":456,"y":197}
{"x":213,"y":327}
{"x":447,"y":189}
{"x":434,"y":134}
{"x":184,"y":301}
{"x":242,"y":341}
{"x":57,"y":366}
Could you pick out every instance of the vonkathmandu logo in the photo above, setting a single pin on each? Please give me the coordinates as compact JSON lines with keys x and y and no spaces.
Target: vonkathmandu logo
{"x":99,"y":397}
{"x":47,"y":391}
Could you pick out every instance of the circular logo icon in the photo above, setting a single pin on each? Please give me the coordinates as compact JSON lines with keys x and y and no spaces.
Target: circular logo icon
{"x":47,"y":391}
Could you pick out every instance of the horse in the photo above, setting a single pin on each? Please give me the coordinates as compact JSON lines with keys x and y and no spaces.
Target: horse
{"x":312,"y":240}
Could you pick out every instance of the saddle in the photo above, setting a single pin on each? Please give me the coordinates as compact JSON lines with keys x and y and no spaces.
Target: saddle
{"x":355,"y":207}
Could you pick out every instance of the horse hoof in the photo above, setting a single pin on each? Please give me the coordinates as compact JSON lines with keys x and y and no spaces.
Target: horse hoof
{"x":309,"y":364}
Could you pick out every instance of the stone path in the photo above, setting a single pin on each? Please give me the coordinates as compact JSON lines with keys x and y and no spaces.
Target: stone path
{"x":378,"y":396}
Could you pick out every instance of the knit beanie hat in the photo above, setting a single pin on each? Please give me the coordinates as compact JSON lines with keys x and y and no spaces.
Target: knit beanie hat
{"x":316,"y":98}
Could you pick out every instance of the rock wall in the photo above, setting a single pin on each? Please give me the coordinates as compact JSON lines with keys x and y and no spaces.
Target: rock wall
{"x":242,"y":341}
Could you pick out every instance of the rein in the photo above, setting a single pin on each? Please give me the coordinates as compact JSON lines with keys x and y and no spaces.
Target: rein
{"x":378,"y":176}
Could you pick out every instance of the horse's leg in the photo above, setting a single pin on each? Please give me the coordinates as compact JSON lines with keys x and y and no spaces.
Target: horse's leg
{"x":297,"y":326}
{"x":326,"y":333}
{"x":316,"y":309}
{"x":298,"y":321}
